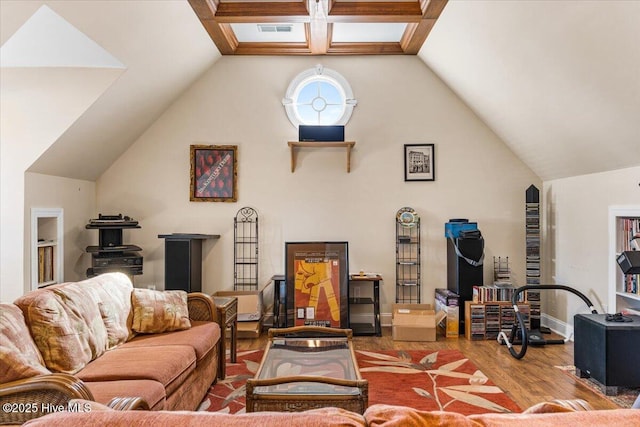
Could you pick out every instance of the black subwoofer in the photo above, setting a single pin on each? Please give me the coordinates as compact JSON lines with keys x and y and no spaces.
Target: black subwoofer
{"x":607,"y":351}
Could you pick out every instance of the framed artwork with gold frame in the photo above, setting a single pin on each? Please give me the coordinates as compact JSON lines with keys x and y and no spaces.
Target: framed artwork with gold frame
{"x":214,"y":173}
{"x":317,"y":277}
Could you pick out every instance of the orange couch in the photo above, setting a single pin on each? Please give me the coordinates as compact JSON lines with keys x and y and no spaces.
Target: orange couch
{"x":101,"y":339}
{"x":543,"y":415}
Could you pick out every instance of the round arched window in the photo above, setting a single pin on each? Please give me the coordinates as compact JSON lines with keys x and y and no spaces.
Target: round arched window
{"x":319,"y":96}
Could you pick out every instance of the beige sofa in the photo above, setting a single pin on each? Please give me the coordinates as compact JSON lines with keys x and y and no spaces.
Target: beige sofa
{"x":542,"y":415}
{"x":101,"y":339}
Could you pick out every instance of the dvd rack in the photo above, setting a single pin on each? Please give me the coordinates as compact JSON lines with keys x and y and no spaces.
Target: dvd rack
{"x":487,"y":320}
{"x":245,"y":250}
{"x":532,"y":238}
{"x":111,"y":254}
{"x":408,"y":269}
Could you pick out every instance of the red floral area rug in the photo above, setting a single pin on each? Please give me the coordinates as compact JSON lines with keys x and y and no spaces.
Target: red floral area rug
{"x":427,"y":380}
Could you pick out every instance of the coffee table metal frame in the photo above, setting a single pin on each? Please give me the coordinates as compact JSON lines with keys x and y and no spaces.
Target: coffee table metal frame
{"x":267,"y":393}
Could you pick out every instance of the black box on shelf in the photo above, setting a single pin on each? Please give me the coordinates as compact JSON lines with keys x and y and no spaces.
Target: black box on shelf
{"x":629,"y":262}
{"x":321,"y":133}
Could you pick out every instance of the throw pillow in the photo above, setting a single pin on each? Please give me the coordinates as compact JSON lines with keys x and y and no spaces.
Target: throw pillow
{"x":159,"y":311}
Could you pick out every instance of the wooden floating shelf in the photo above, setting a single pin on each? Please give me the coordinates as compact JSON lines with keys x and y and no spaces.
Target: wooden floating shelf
{"x":320,"y":144}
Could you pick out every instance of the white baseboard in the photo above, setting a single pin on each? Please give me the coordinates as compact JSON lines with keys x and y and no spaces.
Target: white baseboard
{"x":557,"y":326}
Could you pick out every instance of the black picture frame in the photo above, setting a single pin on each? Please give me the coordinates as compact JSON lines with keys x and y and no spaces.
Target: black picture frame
{"x":419,"y":162}
{"x":317,"y":281}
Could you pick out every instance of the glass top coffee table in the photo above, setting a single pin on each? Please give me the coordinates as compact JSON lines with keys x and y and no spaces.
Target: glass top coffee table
{"x":305,"y":368}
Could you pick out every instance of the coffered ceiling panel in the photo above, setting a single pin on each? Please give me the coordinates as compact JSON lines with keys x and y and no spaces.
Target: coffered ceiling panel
{"x":318,"y":27}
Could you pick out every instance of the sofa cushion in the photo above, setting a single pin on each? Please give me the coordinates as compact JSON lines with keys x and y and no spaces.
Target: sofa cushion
{"x":151,"y":391}
{"x":66,"y":326}
{"x":314,"y":418}
{"x":202,"y":336}
{"x":159,"y":311}
{"x":611,"y":417}
{"x":381,"y":415}
{"x":19,"y":356}
{"x":168,"y":365}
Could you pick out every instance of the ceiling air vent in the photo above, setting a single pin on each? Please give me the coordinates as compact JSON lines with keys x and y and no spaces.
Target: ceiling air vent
{"x":275,"y":28}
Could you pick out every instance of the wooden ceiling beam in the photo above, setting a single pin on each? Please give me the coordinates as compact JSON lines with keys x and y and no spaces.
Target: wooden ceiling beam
{"x":318,"y":34}
{"x":262,"y":12}
{"x":217,"y":17}
{"x":416,"y":34}
{"x":362,"y":48}
{"x":222,"y":35}
{"x":408,"y":11}
{"x":269,"y":48}
{"x":433,"y":8}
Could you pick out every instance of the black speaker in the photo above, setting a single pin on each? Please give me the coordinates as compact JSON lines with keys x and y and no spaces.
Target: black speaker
{"x":605,"y":350}
{"x":629,"y":262}
{"x":182,"y":269}
{"x":320,"y":133}
{"x":462,"y":276}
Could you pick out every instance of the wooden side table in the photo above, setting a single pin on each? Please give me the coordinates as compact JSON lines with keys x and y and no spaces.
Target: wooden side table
{"x":228,"y":312}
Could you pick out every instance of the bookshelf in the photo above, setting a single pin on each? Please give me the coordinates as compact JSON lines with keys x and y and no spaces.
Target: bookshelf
{"x":487,"y":320}
{"x":532,"y":239}
{"x":47,"y":247}
{"x":624,"y":292}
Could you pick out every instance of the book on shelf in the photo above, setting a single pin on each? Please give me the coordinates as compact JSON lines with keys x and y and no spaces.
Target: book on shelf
{"x":631,"y":284}
{"x":45,"y":264}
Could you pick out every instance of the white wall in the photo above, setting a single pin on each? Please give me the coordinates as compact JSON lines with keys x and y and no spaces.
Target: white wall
{"x":576,"y":237}
{"x":399,"y":101}
{"x":37,"y":106}
{"x":78,"y":201}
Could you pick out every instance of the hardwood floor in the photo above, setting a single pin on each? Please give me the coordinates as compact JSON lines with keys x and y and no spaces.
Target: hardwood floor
{"x":527,"y":381}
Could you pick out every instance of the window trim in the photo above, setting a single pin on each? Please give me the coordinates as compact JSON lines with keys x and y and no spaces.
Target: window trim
{"x":319,"y":72}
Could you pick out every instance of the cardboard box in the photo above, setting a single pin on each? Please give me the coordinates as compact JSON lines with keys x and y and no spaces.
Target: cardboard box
{"x":448,"y":321}
{"x":249,"y":329}
{"x":413,"y":322}
{"x":448,"y":313}
{"x":250,"y":304}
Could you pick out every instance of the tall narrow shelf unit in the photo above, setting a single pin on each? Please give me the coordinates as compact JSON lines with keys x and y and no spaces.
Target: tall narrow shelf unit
{"x":47,"y":248}
{"x":408,"y":269}
{"x":532,"y":238}
{"x":245,"y":250}
{"x":624,"y":292}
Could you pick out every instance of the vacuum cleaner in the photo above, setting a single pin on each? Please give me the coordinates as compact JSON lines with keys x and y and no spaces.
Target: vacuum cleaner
{"x":519,"y":332}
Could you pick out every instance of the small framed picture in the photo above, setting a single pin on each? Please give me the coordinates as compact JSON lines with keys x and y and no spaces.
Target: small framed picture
{"x":419,"y":162}
{"x":214,"y":173}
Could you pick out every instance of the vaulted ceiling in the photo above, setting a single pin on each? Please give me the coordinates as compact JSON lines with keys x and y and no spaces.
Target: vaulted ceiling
{"x":558,"y":81}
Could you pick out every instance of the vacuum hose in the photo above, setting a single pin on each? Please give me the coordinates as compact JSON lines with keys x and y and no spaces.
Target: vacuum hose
{"x":509,"y":341}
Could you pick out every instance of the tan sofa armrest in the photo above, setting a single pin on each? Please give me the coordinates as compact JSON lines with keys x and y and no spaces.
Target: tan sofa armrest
{"x":34,"y":397}
{"x":128,"y":404}
{"x":575,"y":404}
{"x":202,"y":307}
